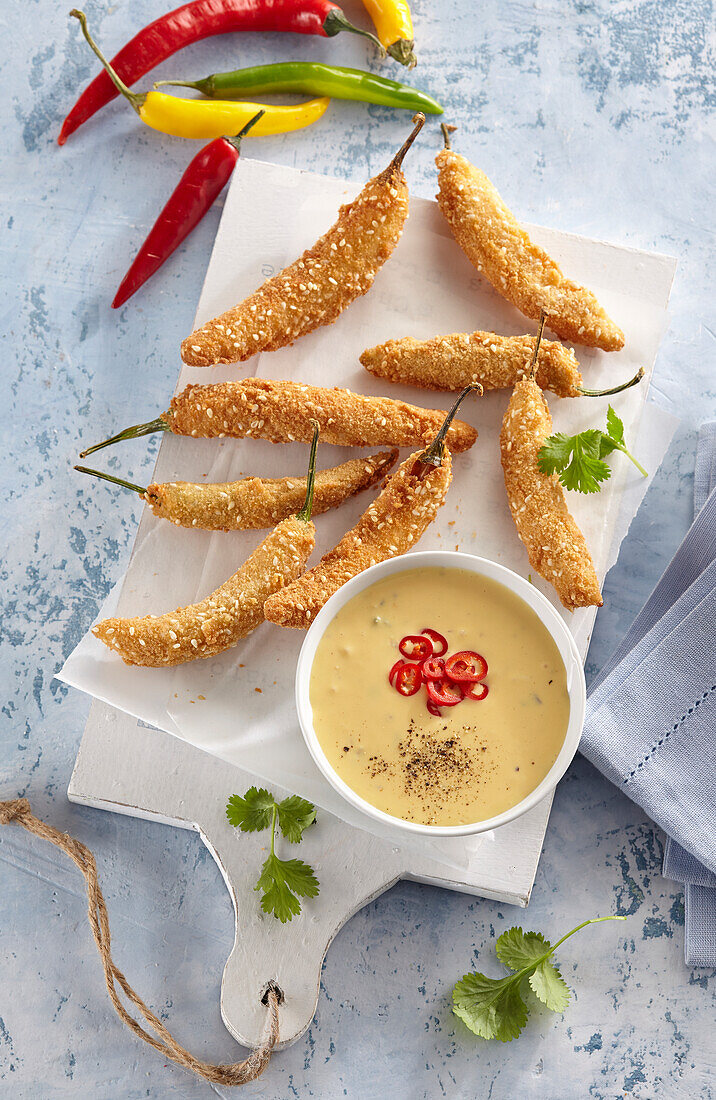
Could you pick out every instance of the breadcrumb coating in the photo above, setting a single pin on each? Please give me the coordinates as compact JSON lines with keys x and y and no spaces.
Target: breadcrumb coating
{"x":452,"y":362}
{"x":497,"y":245}
{"x":223,"y":618}
{"x":313,"y":291}
{"x":282,"y":412}
{"x":257,"y":502}
{"x":555,"y":545}
{"x":390,"y":526}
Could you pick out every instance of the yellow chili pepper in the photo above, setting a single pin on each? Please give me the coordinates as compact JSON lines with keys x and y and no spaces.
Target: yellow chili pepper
{"x":207,"y":118}
{"x":394,"y":25}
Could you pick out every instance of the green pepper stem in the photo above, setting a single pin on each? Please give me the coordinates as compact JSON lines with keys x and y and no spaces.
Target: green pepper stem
{"x":235,"y":140}
{"x":336,"y":21}
{"x":136,"y":430}
{"x":616,"y":389}
{"x":305,"y":513}
{"x":137,"y":99}
{"x":447,"y":129}
{"x":396,"y":162}
{"x":403,"y":52}
{"x":433,"y":455}
{"x":535,"y":354}
{"x":141,"y":489}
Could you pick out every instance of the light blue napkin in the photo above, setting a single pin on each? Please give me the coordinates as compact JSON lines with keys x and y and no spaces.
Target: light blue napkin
{"x":651,"y":716}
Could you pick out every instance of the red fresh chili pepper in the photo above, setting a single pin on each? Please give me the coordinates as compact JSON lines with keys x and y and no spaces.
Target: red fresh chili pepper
{"x":466,"y":666}
{"x":203,"y":181}
{"x":394,"y":671}
{"x":200,"y":19}
{"x":444,"y":693}
{"x":440,"y":646}
{"x":474,"y":691}
{"x":434,"y":709}
{"x":434,"y":669}
{"x":416,"y":646}
{"x":408,"y":679}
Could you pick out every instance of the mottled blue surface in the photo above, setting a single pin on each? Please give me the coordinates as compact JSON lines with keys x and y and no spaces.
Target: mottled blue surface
{"x":592,"y":116}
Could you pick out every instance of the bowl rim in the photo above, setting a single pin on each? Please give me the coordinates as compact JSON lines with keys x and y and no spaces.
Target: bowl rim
{"x":546,"y":612}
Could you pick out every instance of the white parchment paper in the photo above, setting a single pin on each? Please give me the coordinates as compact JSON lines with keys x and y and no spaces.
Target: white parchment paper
{"x":240,"y":705}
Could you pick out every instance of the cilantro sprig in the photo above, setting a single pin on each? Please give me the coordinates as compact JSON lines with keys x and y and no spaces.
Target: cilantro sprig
{"x":579,"y":459}
{"x":494,"y":1008}
{"x":282,"y":881}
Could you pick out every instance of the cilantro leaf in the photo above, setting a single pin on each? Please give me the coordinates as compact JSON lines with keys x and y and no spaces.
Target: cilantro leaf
{"x":518,"y":949}
{"x":615,"y":427}
{"x":548,"y":984}
{"x":494,"y":1007}
{"x":281,"y":880}
{"x":252,"y":812}
{"x":579,"y":459}
{"x":491,"y":1007}
{"x":294,"y":815}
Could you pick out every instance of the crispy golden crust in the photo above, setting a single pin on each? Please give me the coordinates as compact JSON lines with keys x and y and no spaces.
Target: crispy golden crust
{"x":315,"y":289}
{"x":452,"y":362}
{"x":390,"y":526}
{"x":283,"y":411}
{"x":554,"y":543}
{"x":497,"y":245}
{"x":224,"y":617}
{"x":257,"y":502}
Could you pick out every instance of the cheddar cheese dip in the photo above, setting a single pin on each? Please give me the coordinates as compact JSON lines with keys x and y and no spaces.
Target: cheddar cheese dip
{"x":450,"y":764}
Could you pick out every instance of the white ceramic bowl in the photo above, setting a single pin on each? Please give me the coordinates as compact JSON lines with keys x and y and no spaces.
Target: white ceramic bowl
{"x":532,"y":597}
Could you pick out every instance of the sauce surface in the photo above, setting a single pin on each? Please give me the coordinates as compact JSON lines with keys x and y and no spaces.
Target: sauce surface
{"x":479,"y":758}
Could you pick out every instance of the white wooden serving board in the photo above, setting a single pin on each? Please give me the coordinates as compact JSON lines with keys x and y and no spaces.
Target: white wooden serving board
{"x":124,"y":766}
{"x":271,"y":213}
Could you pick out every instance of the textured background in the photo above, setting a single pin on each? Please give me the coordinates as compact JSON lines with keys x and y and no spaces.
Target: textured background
{"x":591,"y":116}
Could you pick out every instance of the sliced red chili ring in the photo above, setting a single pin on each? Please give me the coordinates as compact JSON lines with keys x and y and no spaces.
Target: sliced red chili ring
{"x":440,"y":646}
{"x":474,"y":691}
{"x":443,"y":693}
{"x":394,"y":671}
{"x":434,"y":709}
{"x":434,"y":669}
{"x":416,"y":647}
{"x":408,"y":679}
{"x":466,"y":666}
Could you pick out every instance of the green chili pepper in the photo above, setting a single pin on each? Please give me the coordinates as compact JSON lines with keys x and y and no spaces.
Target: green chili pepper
{"x":311,"y":78}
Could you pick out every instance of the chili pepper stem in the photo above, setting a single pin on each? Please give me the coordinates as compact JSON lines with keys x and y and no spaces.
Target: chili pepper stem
{"x":433,"y":455}
{"x":136,"y":99}
{"x":115,"y":480}
{"x":396,"y":162}
{"x":235,"y":140}
{"x":402,"y":52}
{"x":535,"y":354}
{"x":134,"y":432}
{"x":447,"y":129}
{"x":336,"y":21}
{"x":615,"y":389}
{"x":305,"y":513}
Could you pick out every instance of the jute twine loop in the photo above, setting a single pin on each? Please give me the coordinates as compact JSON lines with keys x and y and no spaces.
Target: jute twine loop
{"x":18,"y":811}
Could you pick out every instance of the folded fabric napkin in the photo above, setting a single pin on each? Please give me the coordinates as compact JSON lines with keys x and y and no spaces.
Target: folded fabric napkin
{"x":651,"y":714}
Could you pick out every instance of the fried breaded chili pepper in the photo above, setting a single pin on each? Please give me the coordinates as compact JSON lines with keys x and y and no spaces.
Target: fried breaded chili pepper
{"x":394,"y":25}
{"x":310,"y":78}
{"x":204,"y":118}
{"x":282,"y":412}
{"x":451,"y":362}
{"x":220,"y":620}
{"x":390,"y":526}
{"x":255,"y":502}
{"x":201,"y":19}
{"x":501,"y":250}
{"x":316,"y":288}
{"x":555,"y":545}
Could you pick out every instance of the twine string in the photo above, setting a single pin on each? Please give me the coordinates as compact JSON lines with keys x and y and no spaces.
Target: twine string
{"x":18,"y":812}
